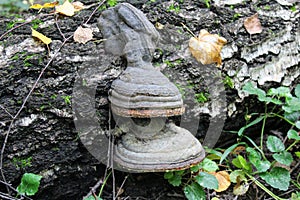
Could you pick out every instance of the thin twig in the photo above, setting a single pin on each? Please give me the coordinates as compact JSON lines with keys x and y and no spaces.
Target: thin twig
{"x":94,"y":188}
{"x":24,"y":102}
{"x":94,"y":11}
{"x":119,"y":191}
{"x":111,"y":154}
{"x":12,"y":29}
{"x":57,"y":26}
{"x":12,"y":188}
{"x":6,"y":111}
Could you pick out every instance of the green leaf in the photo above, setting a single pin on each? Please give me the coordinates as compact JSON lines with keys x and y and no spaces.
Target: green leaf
{"x":175,"y":180}
{"x":295,"y":196}
{"x":293,"y":105}
{"x":209,"y":165}
{"x":257,"y":120}
{"x":207,"y":180}
{"x":274,"y":144}
{"x":292,"y":134}
{"x":297,"y":91}
{"x":91,"y":197}
{"x":255,"y":159}
{"x":277,"y":178}
{"x":237,"y":173}
{"x":229,"y":150}
{"x":283,"y":157}
{"x":297,"y":124}
{"x":29,"y":184}
{"x":236,"y":162}
{"x":297,"y":153}
{"x":293,"y":117}
{"x":249,"y":88}
{"x":194,"y":191}
{"x":280,"y":92}
{"x":269,"y":99}
{"x":244,"y":163}
{"x":168,"y":175}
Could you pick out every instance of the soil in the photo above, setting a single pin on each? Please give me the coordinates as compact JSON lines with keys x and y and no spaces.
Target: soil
{"x":46,"y":135}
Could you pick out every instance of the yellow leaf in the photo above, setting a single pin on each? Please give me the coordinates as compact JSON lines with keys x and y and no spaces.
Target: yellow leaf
{"x":223,"y":179}
{"x":83,"y":35}
{"x":46,"y":5}
{"x":66,"y":9}
{"x":240,"y":188}
{"x":206,"y":48}
{"x":40,"y":36}
{"x":36,"y":6}
{"x":78,"y":6}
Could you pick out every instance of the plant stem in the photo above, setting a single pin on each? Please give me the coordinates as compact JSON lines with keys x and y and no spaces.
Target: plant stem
{"x":103,"y":184}
{"x":295,"y":142}
{"x":285,"y":119}
{"x":259,"y":184}
{"x":263,"y":129}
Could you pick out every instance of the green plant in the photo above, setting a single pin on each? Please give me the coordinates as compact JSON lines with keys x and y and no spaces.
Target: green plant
{"x":228,"y":82}
{"x":207,"y":3}
{"x":98,"y":197}
{"x":174,"y":7}
{"x":202,"y":97}
{"x":29,"y":184}
{"x":194,"y":179}
{"x":36,"y":23}
{"x":112,"y":3}
{"x":254,"y":162}
{"x":67,"y":99}
{"x":22,"y":163}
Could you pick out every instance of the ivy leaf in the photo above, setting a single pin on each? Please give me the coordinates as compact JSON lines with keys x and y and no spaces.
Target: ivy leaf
{"x":206,"y":48}
{"x":293,"y":116}
{"x":66,"y":9}
{"x":280,"y":92}
{"x":29,"y":184}
{"x":277,"y":178}
{"x":297,"y":124}
{"x":252,"y":24}
{"x":207,"y":180}
{"x":250,"y":89}
{"x":255,"y":159}
{"x":274,"y":144}
{"x":292,"y":134}
{"x":83,"y":35}
{"x":223,"y":180}
{"x":194,"y":191}
{"x":283,"y":157}
{"x":91,"y":197}
{"x":293,"y":105}
{"x":209,"y":165}
{"x":41,"y":37}
{"x":173,"y":178}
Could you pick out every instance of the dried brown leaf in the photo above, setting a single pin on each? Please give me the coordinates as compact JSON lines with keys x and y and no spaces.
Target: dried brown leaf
{"x":223,"y":179}
{"x":206,"y":48}
{"x":83,"y":35}
{"x":78,"y":6}
{"x":240,"y":188}
{"x":253,"y":25}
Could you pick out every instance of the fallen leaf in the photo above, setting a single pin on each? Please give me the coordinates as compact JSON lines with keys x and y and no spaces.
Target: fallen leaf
{"x":41,"y":37}
{"x":83,"y":35}
{"x":253,"y":25}
{"x":240,"y":188}
{"x":238,"y":150}
{"x":66,"y":9}
{"x":206,"y":48}
{"x":223,"y":179}
{"x":45,"y":5}
{"x":78,"y":6}
{"x":159,"y":26}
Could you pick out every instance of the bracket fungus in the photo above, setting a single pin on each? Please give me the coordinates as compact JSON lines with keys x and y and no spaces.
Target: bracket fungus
{"x":142,"y":99}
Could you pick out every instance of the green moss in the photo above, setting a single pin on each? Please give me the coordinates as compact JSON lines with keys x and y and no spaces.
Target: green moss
{"x":202,"y":97}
